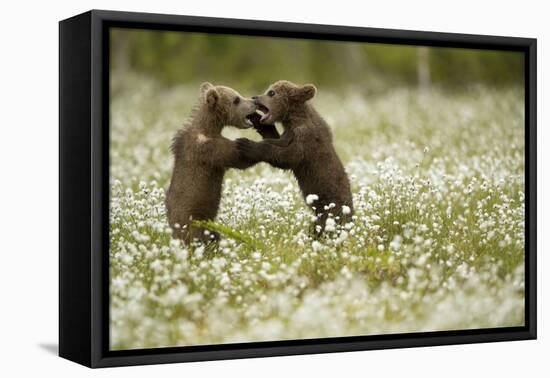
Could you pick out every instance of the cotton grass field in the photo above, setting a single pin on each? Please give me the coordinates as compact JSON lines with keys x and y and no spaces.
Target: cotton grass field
{"x":436,"y":243}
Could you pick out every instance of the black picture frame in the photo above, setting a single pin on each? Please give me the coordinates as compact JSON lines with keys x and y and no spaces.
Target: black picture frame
{"x":84,"y":190}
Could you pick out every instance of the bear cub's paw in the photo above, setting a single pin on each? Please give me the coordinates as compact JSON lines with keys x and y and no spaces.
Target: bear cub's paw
{"x":248,"y":149}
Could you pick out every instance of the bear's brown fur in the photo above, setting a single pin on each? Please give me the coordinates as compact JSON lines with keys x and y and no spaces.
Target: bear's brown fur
{"x":308,"y":151}
{"x":202,"y":155}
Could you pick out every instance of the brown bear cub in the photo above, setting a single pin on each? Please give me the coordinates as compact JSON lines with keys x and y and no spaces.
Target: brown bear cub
{"x":307,"y":150}
{"x":202,"y":155}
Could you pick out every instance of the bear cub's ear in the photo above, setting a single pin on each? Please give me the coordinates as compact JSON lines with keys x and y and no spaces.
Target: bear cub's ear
{"x":305,"y":92}
{"x":210,"y":93}
{"x":205,"y":86}
{"x":212,"y":97}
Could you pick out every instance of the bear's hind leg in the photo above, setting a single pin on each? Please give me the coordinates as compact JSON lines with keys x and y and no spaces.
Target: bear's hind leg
{"x":318,"y":226}
{"x":203,"y":235}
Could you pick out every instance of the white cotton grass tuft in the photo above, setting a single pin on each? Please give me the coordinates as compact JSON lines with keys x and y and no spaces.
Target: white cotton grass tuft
{"x":310,"y":198}
{"x":330,"y":225}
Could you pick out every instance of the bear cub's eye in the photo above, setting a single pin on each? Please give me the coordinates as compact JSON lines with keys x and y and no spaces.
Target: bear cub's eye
{"x":271,"y":93}
{"x":236,"y":101}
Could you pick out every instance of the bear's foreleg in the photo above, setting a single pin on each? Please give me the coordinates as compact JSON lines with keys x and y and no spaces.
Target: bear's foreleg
{"x":284,"y":156}
{"x":267,"y":131}
{"x":223,"y":153}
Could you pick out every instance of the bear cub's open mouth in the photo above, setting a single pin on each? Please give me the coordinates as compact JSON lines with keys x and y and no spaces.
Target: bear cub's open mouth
{"x":253,"y":119}
{"x":264,"y":111}
{"x":258,"y":117}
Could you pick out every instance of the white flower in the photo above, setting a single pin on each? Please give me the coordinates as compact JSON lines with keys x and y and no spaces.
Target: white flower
{"x":346,"y":210}
{"x":224,"y":279}
{"x":126,"y":258}
{"x":341,"y":238}
{"x":310,"y":198}
{"x":381,"y":247}
{"x":199,"y":251}
{"x":316,"y":245}
{"x":156,"y":265}
{"x":235,"y":268}
{"x":395,"y":244}
{"x":330,"y":225}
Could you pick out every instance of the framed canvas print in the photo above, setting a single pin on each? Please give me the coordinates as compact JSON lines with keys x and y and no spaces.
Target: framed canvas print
{"x":235,"y":188}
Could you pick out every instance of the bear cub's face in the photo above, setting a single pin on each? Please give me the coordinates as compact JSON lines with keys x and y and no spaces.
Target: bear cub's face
{"x":280,"y":99}
{"x":230,"y":107}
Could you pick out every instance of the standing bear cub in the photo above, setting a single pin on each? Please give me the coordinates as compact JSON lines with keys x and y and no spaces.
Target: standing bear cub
{"x":202,"y":155}
{"x":309,"y":151}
